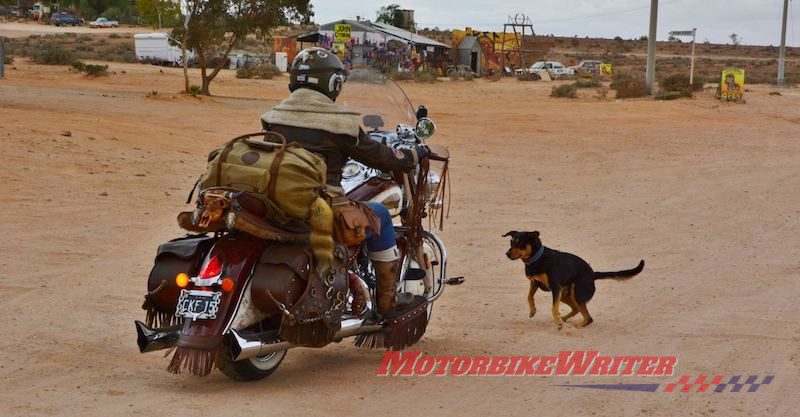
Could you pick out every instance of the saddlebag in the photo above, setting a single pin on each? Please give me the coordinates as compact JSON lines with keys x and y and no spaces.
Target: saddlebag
{"x":280,"y":277}
{"x":351,"y":219}
{"x":176,"y":256}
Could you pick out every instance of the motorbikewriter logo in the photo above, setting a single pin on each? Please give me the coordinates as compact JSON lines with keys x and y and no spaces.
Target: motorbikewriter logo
{"x":568,"y":363}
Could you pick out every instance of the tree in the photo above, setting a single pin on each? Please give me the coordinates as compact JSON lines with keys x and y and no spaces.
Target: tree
{"x":215,"y":27}
{"x":159,"y":13}
{"x":390,"y":15}
{"x":735,"y":39}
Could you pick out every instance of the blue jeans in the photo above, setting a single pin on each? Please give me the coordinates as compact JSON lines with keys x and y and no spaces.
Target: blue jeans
{"x":386,"y":240}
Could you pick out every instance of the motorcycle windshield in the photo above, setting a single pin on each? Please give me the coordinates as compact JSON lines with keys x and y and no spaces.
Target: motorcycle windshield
{"x":371,"y":93}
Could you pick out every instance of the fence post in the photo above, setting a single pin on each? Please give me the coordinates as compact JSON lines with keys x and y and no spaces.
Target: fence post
{"x":2,"y":56}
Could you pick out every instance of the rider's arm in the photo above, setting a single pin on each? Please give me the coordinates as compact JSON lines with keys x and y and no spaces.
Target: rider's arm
{"x":377,"y":155}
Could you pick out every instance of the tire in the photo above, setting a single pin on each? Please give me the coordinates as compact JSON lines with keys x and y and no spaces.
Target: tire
{"x":252,"y":369}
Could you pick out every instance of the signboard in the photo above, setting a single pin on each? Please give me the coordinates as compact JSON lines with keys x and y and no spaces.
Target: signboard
{"x":342,"y":33}
{"x":732,"y":84}
{"x":605,"y":70}
{"x":682,"y":33}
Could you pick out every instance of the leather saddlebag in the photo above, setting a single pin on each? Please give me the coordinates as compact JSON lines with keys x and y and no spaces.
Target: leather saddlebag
{"x":176,"y":256}
{"x":280,"y":277}
{"x":351,"y":221}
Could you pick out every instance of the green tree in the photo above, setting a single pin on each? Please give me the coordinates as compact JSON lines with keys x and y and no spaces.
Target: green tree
{"x":169,"y":11}
{"x":390,"y":15}
{"x":214,"y":27}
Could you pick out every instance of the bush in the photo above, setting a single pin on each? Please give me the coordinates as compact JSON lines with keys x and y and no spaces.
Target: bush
{"x":427,"y":76}
{"x":565,"y":90}
{"x":584,"y":82}
{"x":78,"y":66}
{"x":468,"y":76}
{"x":680,"y":82}
{"x":53,"y":55}
{"x":8,"y":60}
{"x":96,"y":70}
{"x":528,"y":76}
{"x":264,"y":72}
{"x":628,"y":86}
{"x":672,"y":95}
{"x":195,"y":90}
{"x":401,"y":75}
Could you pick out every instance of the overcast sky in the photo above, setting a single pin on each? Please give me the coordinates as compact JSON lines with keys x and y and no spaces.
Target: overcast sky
{"x":757,"y":22}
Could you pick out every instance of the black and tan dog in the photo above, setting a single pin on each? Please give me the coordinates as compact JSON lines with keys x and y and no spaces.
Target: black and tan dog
{"x":569,"y":277}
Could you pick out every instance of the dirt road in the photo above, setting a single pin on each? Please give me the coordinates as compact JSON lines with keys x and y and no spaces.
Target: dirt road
{"x":705,"y":192}
{"x":21,"y":30}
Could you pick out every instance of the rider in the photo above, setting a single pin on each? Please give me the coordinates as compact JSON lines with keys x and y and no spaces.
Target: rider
{"x":310,"y":116}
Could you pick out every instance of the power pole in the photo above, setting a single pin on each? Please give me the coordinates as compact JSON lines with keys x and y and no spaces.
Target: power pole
{"x":782,"y":58}
{"x":2,"y":56}
{"x":650,"y":75}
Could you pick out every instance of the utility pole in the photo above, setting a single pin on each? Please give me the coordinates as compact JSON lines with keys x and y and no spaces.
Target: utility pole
{"x":782,"y":58}
{"x":650,"y":75}
{"x":2,"y":56}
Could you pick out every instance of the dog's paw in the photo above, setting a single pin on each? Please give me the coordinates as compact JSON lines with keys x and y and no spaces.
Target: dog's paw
{"x":559,"y":326}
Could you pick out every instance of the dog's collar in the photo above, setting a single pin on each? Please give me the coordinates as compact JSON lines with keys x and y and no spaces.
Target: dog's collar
{"x":536,"y":257}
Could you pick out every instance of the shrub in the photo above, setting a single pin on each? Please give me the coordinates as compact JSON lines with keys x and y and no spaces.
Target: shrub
{"x":628,"y":86}
{"x":672,"y":95}
{"x":602,"y":93}
{"x":195,"y":90}
{"x":114,"y":36}
{"x":78,"y":66}
{"x":565,"y":90}
{"x":468,"y":76}
{"x":528,"y":76}
{"x":584,"y":82}
{"x":427,"y":76}
{"x":96,"y":70}
{"x":680,"y":82}
{"x":53,"y":55}
{"x":264,"y":72}
{"x":401,"y":75}
{"x":8,"y":60}
{"x":152,"y":93}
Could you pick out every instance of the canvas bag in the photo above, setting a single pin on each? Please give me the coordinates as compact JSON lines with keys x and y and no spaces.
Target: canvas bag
{"x":288,"y":175}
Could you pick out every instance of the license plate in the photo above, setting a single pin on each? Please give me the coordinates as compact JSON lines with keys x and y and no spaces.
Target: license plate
{"x":198,"y":304}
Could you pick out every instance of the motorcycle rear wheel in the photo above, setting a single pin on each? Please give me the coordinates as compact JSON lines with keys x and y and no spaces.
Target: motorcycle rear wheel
{"x":251,"y":369}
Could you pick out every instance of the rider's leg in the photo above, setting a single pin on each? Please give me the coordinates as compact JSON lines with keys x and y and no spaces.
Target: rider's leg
{"x":385,"y":257}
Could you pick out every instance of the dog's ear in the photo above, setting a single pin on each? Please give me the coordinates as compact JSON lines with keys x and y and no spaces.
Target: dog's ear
{"x":533,"y":235}
{"x":511,"y":233}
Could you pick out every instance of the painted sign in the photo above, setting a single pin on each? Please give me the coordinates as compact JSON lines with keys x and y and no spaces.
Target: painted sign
{"x":606,"y":70}
{"x":342,"y":32}
{"x":732,"y":84}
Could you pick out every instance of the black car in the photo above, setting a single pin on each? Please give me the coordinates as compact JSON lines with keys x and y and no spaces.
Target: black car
{"x":63,"y":19}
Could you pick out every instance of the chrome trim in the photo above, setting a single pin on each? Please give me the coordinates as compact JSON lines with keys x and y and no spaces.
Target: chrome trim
{"x":151,"y":340}
{"x":442,"y":264}
{"x":251,"y":346}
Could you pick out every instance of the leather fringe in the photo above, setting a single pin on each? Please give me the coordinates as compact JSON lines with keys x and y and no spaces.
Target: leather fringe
{"x":197,"y":362}
{"x":156,"y":319}
{"x":314,"y":334}
{"x":370,"y":340}
{"x":406,"y":329}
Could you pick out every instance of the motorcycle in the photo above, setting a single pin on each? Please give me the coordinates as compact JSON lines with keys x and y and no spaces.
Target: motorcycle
{"x":225,"y":298}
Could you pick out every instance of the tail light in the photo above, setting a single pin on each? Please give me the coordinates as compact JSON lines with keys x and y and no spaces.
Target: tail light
{"x":182,"y":280}
{"x":212,"y":269}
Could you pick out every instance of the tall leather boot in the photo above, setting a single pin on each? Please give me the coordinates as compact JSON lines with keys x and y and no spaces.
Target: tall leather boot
{"x":387,"y":274}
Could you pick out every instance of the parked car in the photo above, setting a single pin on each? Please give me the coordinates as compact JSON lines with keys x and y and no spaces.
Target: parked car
{"x":590,"y":65}
{"x":64,"y":19}
{"x":102,"y":22}
{"x":555,"y":69}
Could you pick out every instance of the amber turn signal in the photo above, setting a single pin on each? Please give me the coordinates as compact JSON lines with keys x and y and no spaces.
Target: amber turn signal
{"x":182,"y":280}
{"x":227,"y":285}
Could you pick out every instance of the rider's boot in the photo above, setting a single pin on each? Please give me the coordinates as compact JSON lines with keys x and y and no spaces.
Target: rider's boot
{"x":387,"y":274}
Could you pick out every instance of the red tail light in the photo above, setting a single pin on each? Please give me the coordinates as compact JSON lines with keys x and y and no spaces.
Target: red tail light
{"x":212,"y":269}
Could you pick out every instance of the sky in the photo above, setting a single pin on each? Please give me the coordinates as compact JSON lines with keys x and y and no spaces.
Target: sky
{"x":757,"y":22}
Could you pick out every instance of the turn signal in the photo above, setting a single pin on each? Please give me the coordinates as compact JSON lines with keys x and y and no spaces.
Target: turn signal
{"x":227,"y":285}
{"x":182,"y":280}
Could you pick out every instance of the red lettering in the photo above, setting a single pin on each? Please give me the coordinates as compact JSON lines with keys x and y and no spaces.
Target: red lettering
{"x":479,"y":365}
{"x":398,"y":363}
{"x":568,"y":362}
{"x":498,"y":365}
{"x":666,"y":365}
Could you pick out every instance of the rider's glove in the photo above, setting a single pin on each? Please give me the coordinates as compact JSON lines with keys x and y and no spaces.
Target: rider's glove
{"x":422,"y":152}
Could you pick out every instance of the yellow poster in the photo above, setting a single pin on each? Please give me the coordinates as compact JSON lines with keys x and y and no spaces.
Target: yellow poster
{"x":605,"y":70}
{"x":342,"y":33}
{"x":732,"y":84}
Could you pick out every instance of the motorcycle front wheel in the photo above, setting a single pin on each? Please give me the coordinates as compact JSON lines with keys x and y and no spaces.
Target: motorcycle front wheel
{"x":251,"y":369}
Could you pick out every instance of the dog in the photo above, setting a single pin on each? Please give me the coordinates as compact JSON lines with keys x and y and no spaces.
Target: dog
{"x":567,"y":276}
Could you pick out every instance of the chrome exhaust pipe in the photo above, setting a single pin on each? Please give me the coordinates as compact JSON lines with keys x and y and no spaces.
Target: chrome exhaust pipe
{"x":151,"y":340}
{"x":251,"y":346}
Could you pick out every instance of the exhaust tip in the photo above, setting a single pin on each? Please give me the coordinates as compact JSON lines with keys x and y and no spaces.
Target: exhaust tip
{"x":142,"y":333}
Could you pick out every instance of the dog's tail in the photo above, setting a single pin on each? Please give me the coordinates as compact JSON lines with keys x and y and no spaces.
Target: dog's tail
{"x":621,"y":275}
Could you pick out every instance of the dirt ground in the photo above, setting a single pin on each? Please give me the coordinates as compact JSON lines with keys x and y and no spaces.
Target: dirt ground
{"x":705,"y":192}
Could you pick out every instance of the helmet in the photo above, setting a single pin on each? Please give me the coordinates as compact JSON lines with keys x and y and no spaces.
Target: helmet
{"x":317,"y":69}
